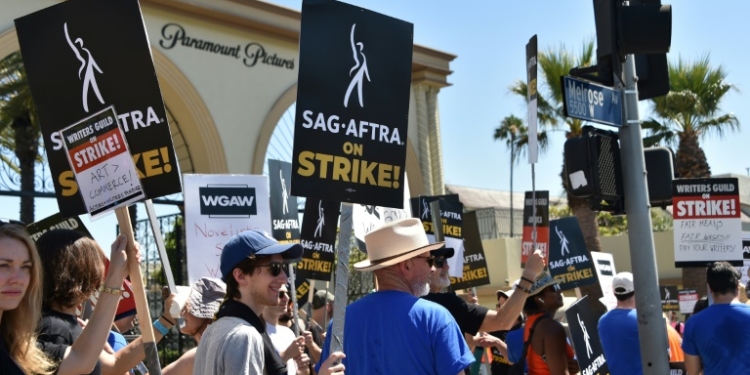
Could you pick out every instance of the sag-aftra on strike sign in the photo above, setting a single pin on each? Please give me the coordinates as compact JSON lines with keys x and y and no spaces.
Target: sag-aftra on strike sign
{"x":352,"y":105}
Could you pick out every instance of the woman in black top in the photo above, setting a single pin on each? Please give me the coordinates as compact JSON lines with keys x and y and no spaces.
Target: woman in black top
{"x":74,"y":269}
{"x":20,"y":304}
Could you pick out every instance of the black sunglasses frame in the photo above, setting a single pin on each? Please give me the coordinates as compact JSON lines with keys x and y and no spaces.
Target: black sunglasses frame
{"x":276,"y":267}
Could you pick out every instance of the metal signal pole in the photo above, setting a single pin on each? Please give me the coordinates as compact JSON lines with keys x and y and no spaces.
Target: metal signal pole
{"x":652,"y":330}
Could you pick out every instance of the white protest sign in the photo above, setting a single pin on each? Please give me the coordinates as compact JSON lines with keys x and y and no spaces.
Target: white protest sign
{"x":101,"y":161}
{"x":368,"y":218}
{"x":707,"y":224}
{"x":605,"y":271}
{"x":217,"y":207}
{"x":687,"y":299}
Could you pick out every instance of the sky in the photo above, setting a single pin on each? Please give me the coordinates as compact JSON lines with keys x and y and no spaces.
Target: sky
{"x":489,"y":38}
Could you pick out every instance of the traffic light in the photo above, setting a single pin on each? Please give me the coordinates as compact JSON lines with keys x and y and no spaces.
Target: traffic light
{"x":659,"y":175}
{"x":592,"y":169}
{"x":644,"y":27}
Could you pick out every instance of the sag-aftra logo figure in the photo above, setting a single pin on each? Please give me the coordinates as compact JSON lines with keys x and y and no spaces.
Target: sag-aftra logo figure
{"x":361,"y":71}
{"x":89,"y":65}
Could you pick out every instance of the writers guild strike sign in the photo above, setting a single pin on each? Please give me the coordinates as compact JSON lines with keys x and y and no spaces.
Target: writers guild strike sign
{"x":57,"y":221}
{"x":707,"y":224}
{"x":101,"y":59}
{"x":669,"y":298}
{"x":475,"y":264}
{"x":451,"y":214}
{"x":583,"y":324}
{"x":542,"y":225}
{"x":283,"y":206}
{"x":103,"y":168}
{"x":687,"y":298}
{"x":318,"y":239}
{"x":217,"y":207}
{"x":569,"y":260}
{"x":352,"y":105}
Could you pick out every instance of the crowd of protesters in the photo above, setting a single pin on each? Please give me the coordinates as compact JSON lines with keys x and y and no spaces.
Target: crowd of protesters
{"x":243,"y":323}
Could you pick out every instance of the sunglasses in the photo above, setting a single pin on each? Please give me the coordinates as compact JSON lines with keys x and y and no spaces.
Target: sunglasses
{"x":276,"y":268}
{"x":438,"y":262}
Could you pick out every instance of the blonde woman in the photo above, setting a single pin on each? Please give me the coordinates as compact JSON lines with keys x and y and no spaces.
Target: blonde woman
{"x":20,"y":304}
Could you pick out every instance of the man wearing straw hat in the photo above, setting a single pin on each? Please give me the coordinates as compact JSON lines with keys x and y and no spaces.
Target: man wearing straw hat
{"x":393,"y":331}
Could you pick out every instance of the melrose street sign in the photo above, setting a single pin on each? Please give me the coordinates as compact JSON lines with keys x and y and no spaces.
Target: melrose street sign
{"x":591,"y":102}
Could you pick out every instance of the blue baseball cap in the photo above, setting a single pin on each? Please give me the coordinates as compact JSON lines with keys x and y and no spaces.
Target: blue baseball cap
{"x":254,"y":242}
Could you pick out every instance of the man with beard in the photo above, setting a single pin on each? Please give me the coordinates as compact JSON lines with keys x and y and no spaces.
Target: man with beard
{"x":474,"y":318}
{"x":253,"y":265}
{"x":393,"y":331}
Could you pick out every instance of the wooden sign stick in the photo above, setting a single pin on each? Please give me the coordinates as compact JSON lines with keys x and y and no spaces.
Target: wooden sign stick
{"x":139,"y":294}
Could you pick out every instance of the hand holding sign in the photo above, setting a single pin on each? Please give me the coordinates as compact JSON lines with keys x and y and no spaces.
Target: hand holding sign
{"x":118,"y":261}
{"x":534,"y":265}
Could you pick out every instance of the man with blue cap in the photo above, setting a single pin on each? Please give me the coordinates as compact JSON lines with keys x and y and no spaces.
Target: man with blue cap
{"x":254,"y":267}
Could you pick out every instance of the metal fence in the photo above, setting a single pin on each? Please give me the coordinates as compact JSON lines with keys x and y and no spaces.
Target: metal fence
{"x":495,"y":222}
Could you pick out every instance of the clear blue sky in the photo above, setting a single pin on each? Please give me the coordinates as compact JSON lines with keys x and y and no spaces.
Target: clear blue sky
{"x":489,"y":39}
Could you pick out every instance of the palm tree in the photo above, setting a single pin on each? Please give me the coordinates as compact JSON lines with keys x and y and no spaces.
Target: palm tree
{"x":516,"y":137}
{"x":18,"y":121}
{"x":554,"y":64}
{"x":688,"y":113}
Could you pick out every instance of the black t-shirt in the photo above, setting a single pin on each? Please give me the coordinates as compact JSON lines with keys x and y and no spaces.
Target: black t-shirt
{"x":58,"y":332}
{"x":317,"y":333}
{"x":7,"y":365}
{"x":499,"y":364}
{"x":469,"y":317}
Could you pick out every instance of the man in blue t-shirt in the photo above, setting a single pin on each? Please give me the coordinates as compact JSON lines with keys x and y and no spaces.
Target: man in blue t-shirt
{"x":393,"y":331}
{"x":717,"y":340}
{"x":618,"y":330}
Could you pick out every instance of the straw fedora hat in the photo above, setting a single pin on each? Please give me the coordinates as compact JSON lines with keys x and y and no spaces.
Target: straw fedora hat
{"x":395,"y":242}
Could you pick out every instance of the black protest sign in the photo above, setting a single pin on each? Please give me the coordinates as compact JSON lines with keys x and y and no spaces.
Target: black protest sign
{"x":670,"y":300}
{"x":285,"y":220}
{"x":475,"y":263}
{"x":318,"y":239}
{"x":302,"y":287}
{"x":101,"y":58}
{"x":569,"y":261}
{"x":56,"y":221}
{"x":583,"y":324}
{"x":352,"y":105}
{"x":420,"y":208}
{"x":542,"y":224}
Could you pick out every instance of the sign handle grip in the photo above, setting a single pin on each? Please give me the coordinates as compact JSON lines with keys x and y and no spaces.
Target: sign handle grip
{"x":139,"y":294}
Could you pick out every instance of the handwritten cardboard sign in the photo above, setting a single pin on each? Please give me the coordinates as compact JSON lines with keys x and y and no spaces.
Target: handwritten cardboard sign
{"x":101,"y":161}
{"x":707,"y":224}
{"x":217,"y":207}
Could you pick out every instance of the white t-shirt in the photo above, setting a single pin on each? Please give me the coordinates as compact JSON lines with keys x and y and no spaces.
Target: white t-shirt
{"x":282,"y":337}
